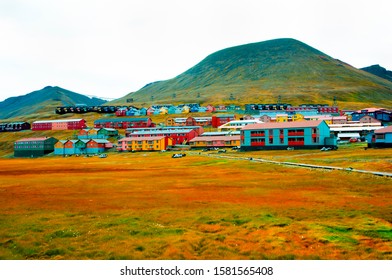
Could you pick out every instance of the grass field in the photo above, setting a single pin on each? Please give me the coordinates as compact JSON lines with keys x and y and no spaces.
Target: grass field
{"x":150,"y":206}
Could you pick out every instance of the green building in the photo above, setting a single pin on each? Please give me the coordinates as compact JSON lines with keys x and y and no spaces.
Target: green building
{"x":34,"y":147}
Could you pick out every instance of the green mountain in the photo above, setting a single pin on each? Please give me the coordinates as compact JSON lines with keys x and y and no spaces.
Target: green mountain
{"x":261,"y":72}
{"x":379,"y":71}
{"x":44,"y":100}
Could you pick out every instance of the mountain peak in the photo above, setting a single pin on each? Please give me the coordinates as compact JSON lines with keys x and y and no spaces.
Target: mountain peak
{"x":49,"y":96}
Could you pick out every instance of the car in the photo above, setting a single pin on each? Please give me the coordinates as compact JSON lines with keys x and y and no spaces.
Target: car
{"x":353,"y":140}
{"x":178,"y":155}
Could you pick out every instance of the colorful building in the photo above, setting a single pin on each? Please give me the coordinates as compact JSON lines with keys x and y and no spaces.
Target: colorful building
{"x":153,"y":143}
{"x":34,"y":147}
{"x":301,"y":134}
{"x":178,"y":136}
{"x":69,"y":124}
{"x":123,"y":123}
{"x":82,"y":146}
{"x":14,"y":126}
{"x":97,"y":133}
{"x":219,"y":141}
{"x":218,"y":120}
{"x":380,"y":138}
{"x":236,"y":125}
{"x":198,"y":129}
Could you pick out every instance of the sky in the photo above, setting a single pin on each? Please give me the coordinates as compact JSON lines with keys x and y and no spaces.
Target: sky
{"x":109,"y":48}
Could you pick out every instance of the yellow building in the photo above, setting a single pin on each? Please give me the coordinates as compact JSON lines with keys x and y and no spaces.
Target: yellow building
{"x":153,"y":143}
{"x":282,"y":118}
{"x":220,"y":141}
{"x":297,"y":117}
{"x":170,"y":122}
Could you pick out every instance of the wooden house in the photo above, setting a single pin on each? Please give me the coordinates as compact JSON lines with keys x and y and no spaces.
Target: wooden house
{"x":265,"y":118}
{"x":34,"y":147}
{"x":380,"y":138}
{"x":299,"y":135}
{"x":97,"y":133}
{"x":219,"y":141}
{"x":198,"y":129}
{"x":82,"y":146}
{"x":218,"y":120}
{"x":381,"y":114}
{"x":368,"y":119}
{"x":14,"y":126}
{"x":123,"y":123}
{"x":178,"y":136}
{"x":210,"y":108}
{"x":68,"y":124}
{"x":150,"y":143}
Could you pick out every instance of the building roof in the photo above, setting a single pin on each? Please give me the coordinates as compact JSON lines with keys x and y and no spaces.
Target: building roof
{"x":33,"y":139}
{"x":151,"y":138}
{"x":168,"y":131}
{"x":122,"y":120}
{"x":387,"y":129}
{"x":221,"y":133}
{"x":157,"y":128}
{"x":370,"y":110}
{"x":225,"y":116}
{"x":216,"y":138}
{"x":299,"y":124}
{"x":58,"y":121}
{"x":100,"y":141}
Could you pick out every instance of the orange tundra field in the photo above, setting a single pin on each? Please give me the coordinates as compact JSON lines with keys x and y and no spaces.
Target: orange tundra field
{"x":150,"y":206}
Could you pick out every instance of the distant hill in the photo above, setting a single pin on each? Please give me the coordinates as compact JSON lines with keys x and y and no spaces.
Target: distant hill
{"x":43,"y":100}
{"x":260,"y":72}
{"x":379,"y":71}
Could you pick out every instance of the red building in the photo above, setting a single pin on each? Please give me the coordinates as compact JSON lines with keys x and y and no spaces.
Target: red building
{"x":123,"y":123}
{"x":70,"y":124}
{"x":219,"y":120}
{"x":179,"y":136}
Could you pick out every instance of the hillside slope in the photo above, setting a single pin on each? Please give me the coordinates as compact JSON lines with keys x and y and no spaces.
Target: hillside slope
{"x":260,"y":72}
{"x":42,"y":101}
{"x":379,"y":71}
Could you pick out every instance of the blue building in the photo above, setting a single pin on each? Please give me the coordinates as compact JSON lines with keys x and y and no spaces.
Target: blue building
{"x":380,"y":138}
{"x":298,"y":135}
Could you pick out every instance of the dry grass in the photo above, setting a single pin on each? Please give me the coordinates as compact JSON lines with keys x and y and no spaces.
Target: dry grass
{"x":150,"y":206}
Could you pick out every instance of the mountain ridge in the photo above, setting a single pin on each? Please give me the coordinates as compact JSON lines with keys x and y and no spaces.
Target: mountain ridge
{"x":41,"y":100}
{"x":379,"y":71}
{"x":260,"y":72}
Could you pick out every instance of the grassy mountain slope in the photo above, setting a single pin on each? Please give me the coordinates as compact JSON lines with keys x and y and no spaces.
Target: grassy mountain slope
{"x":379,"y":71}
{"x":42,"y":101}
{"x":260,"y":72}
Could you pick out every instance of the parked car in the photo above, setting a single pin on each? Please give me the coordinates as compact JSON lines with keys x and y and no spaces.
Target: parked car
{"x":178,"y":155}
{"x":353,"y":140}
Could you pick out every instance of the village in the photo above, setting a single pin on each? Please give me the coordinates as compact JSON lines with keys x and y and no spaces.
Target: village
{"x":256,"y":127}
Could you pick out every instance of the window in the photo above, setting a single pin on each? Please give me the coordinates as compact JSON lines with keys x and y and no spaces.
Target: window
{"x":281,"y":140}
{"x":271,"y":141}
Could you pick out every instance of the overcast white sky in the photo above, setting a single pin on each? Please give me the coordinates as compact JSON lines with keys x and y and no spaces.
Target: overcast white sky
{"x":109,"y":48}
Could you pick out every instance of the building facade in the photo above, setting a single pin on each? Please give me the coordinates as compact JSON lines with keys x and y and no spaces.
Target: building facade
{"x":14,"y":126}
{"x":68,"y":124}
{"x":380,"y":138}
{"x":219,"y":141}
{"x":153,"y":143}
{"x":34,"y":147}
{"x":301,"y":135}
{"x":123,"y":123}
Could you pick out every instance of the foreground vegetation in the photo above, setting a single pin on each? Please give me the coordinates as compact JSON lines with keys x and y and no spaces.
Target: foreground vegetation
{"x":150,"y":206}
